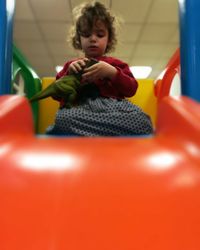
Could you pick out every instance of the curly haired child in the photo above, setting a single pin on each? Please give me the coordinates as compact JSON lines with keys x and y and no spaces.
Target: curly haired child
{"x":110,"y":113}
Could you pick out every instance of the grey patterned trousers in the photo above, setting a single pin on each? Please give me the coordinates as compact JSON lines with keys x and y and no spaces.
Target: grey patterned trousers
{"x":102,"y":117}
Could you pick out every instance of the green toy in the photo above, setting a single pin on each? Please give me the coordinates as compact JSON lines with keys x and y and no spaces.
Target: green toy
{"x":68,"y":89}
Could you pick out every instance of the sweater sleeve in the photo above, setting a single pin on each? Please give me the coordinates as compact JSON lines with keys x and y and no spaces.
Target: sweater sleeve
{"x":124,"y":80}
{"x":64,"y":70}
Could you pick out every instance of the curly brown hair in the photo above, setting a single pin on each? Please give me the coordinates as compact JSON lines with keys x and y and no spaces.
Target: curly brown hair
{"x":85,"y":16}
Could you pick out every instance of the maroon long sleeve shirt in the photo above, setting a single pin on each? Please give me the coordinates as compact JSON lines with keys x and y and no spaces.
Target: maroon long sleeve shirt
{"x":122,"y":85}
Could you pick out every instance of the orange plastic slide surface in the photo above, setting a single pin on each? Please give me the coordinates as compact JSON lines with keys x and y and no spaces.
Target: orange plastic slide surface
{"x":139,"y":193}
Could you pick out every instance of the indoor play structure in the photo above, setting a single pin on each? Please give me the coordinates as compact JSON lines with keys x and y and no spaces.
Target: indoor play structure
{"x":113,"y":193}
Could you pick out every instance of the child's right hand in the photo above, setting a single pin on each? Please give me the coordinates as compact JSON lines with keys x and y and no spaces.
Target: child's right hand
{"x":77,"y":66}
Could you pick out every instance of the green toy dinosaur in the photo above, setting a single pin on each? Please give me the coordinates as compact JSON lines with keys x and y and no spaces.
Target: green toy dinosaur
{"x":68,"y":89}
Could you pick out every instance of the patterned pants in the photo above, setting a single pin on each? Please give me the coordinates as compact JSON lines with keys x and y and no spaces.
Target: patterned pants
{"x":102,"y":117}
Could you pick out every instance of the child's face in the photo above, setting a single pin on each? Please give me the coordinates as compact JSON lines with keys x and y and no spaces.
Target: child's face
{"x":94,"y":42}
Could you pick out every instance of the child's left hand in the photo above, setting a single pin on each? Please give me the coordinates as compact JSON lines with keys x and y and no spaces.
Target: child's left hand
{"x":99,"y":70}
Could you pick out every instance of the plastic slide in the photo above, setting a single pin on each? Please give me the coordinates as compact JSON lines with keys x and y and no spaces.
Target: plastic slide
{"x":100,"y":193}
{"x":103,"y":193}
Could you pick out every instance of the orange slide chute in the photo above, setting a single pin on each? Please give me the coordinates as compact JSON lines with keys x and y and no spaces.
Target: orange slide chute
{"x":111,"y":193}
{"x":100,"y":193}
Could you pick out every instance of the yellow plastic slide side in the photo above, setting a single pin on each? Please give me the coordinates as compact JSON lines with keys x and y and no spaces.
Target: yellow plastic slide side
{"x":47,"y":108}
{"x":144,"y":98}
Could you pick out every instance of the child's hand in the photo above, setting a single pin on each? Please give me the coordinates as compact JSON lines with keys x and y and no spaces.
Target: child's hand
{"x":99,"y":70}
{"x":77,"y":66}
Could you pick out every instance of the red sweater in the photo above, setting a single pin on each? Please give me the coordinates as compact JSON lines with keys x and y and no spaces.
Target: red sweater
{"x":122,"y":85}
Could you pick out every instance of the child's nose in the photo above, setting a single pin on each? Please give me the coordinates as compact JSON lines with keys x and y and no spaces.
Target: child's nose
{"x":93,"y":37}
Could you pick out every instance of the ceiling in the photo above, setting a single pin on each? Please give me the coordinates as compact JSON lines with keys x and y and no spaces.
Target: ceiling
{"x":148,"y":36}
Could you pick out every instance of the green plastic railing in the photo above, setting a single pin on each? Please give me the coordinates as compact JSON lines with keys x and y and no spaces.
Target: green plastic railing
{"x":21,"y":70}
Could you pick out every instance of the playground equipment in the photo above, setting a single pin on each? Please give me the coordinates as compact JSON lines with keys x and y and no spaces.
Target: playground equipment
{"x":25,"y":81}
{"x":102,"y":193}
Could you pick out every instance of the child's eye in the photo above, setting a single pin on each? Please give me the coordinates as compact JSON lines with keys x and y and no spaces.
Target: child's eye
{"x":100,"y":34}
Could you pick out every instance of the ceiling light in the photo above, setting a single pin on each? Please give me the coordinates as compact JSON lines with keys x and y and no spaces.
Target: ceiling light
{"x":58,"y":68}
{"x":141,"y":72}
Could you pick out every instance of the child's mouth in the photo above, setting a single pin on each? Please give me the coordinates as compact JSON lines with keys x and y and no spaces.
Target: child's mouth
{"x":93,"y":47}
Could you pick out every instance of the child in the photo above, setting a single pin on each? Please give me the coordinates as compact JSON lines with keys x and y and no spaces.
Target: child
{"x":110,"y":114}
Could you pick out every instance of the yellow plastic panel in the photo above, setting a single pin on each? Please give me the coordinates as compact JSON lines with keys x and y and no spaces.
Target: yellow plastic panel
{"x":145,"y":98}
{"x":47,"y":108}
